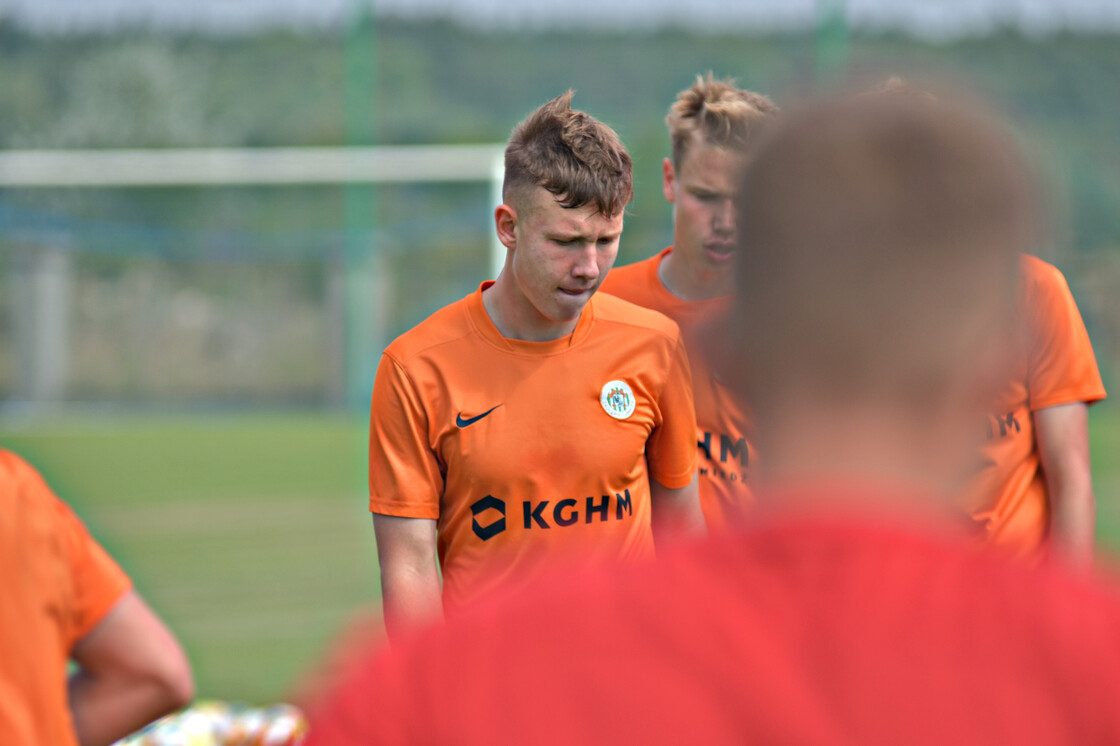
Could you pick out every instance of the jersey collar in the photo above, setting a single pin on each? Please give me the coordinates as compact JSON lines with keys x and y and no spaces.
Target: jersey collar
{"x":483,"y":324}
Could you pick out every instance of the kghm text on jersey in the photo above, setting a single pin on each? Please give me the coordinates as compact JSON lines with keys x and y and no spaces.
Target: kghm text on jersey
{"x":489,"y":513}
{"x":1003,"y":425}
{"x":728,"y":448}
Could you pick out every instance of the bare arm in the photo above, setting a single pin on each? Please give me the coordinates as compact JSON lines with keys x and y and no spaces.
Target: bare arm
{"x":131,"y":671}
{"x":410,"y":585}
{"x":676,"y":512}
{"x":1062,"y":433}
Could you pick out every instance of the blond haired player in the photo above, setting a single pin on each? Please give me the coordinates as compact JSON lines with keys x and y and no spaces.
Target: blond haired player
{"x":532,"y":422}
{"x":710,"y":124}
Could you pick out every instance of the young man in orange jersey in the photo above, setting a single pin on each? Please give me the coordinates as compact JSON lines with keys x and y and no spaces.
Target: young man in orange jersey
{"x":1035,"y":488}
{"x":533,"y":422}
{"x":710,"y":125}
{"x":63,"y":598}
{"x":874,"y":308}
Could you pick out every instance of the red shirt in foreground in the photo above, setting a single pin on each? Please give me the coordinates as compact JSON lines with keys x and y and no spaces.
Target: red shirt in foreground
{"x":805,"y":628}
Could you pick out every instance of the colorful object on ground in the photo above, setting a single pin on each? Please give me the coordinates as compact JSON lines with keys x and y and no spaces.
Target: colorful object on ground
{"x":215,"y":723}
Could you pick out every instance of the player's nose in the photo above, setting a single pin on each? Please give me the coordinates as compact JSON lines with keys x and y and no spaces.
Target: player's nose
{"x":586,"y":265}
{"x":723,"y":218}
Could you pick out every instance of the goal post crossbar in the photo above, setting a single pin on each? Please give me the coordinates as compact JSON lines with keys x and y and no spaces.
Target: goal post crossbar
{"x":202,"y":167}
{"x":249,"y":166}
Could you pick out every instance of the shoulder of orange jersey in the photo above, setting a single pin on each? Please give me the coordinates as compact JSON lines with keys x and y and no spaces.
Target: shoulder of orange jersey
{"x":13,"y":467}
{"x":633,"y":281}
{"x":615,"y":310}
{"x":22,"y":485}
{"x":1036,"y":274}
{"x":1045,"y":295}
{"x":637,"y":273}
{"x":448,"y":324}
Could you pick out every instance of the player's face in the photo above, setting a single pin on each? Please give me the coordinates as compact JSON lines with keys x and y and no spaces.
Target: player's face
{"x":702,"y":191}
{"x":561,"y":255}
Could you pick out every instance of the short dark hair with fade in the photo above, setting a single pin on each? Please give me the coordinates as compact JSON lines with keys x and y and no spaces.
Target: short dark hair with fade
{"x":571,"y":154}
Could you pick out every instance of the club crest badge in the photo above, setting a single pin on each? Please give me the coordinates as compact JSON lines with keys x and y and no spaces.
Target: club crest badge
{"x":617,"y":399}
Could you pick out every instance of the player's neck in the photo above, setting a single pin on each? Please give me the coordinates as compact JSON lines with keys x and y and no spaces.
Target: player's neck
{"x":516,"y":318}
{"x":859,"y":445}
{"x":689,"y":283}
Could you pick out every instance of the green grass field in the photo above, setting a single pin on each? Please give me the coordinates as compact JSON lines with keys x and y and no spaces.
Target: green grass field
{"x":1105,"y":440}
{"x":250,"y":534}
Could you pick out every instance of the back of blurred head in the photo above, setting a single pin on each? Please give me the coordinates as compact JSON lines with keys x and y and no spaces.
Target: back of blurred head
{"x":875,"y":289}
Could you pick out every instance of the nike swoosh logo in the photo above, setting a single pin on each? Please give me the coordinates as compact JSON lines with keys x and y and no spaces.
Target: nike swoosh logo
{"x":460,"y":421}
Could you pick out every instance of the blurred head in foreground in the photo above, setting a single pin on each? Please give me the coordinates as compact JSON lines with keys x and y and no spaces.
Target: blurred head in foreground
{"x":874,"y":300}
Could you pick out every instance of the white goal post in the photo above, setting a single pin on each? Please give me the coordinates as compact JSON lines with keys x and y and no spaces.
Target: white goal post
{"x":43,"y":338}
{"x":261,"y":166}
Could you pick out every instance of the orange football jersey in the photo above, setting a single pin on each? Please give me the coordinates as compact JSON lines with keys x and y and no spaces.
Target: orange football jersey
{"x":1054,"y":365}
{"x":58,"y":585}
{"x":722,"y":425}
{"x":529,"y":452}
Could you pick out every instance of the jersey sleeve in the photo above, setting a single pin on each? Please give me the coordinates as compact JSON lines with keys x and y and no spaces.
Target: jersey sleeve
{"x":405,"y":478}
{"x":99,"y":582}
{"x":1062,"y":367}
{"x":671,"y":449}
{"x":86,"y":581}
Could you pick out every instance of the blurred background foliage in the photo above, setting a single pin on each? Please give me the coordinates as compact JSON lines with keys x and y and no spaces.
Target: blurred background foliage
{"x":436,"y":82}
{"x":391,"y":81}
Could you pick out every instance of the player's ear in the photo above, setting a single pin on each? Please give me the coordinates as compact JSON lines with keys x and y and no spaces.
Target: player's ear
{"x":668,"y":180}
{"x":505,"y":221}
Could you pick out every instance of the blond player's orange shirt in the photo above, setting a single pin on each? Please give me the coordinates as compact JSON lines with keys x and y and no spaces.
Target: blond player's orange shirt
{"x":528,"y":453}
{"x":57,"y":584}
{"x":722,"y":424}
{"x":1054,"y":365}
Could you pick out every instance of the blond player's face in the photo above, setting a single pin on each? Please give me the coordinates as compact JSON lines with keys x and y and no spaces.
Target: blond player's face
{"x":702,"y":191}
{"x":561,"y":255}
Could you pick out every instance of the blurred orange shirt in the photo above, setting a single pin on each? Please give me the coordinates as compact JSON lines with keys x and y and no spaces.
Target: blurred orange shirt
{"x":1054,"y":365}
{"x":721,"y":421}
{"x":530,"y":452}
{"x":57,"y":584}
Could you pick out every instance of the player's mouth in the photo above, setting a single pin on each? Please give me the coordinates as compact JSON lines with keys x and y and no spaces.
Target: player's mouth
{"x":578,"y":292}
{"x":719,"y":251}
